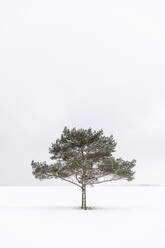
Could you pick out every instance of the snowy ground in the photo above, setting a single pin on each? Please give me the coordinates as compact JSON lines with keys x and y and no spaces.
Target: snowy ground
{"x":125,"y":217}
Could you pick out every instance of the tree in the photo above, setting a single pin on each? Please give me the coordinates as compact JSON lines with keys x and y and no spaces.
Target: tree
{"x":84,"y":157}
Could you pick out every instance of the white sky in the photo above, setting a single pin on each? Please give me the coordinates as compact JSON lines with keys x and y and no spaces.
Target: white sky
{"x":88,"y":63}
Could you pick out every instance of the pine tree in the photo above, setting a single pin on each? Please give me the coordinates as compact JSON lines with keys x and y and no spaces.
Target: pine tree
{"x":84,"y":157}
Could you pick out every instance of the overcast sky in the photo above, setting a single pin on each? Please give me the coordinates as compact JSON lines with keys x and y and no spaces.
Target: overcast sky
{"x":90,"y":63}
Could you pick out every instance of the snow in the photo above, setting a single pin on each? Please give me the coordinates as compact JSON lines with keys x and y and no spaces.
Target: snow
{"x":127,"y":217}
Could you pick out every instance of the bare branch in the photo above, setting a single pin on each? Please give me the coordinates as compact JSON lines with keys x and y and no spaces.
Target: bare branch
{"x":108,"y":180}
{"x":77,"y":178}
{"x":70,"y":181}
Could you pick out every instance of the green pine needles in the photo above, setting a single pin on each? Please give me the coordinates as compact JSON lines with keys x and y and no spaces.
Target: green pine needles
{"x":84,"y":157}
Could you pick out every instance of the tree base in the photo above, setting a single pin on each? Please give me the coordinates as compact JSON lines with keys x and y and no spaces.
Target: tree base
{"x":84,"y":208}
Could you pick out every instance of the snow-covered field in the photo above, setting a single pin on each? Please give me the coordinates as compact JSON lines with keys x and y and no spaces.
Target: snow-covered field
{"x":125,"y":217}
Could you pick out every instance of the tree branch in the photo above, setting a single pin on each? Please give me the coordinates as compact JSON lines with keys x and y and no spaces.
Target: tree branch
{"x":67,"y":180}
{"x":77,"y":178}
{"x":70,"y":181}
{"x":109,"y":180}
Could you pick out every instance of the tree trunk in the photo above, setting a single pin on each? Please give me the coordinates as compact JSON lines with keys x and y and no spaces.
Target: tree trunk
{"x":83,"y":206}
